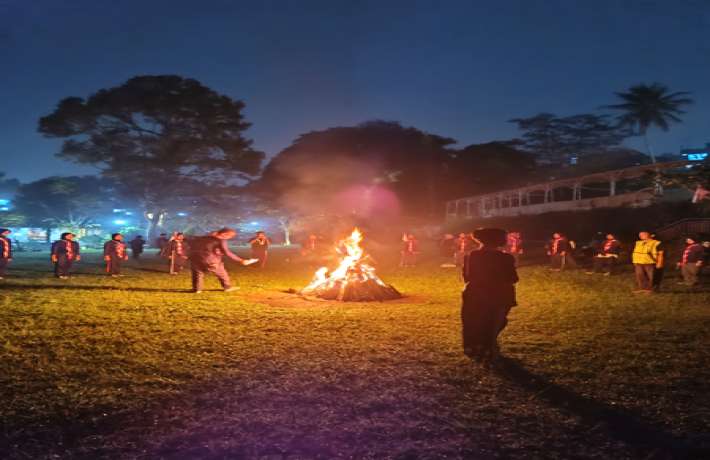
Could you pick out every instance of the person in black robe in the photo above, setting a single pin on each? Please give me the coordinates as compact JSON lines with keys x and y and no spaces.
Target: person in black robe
{"x":137,"y":245}
{"x":488,"y":296}
{"x":115,"y":254}
{"x":65,"y":251}
{"x":558,"y":249}
{"x":205,"y":254}
{"x":5,"y":251}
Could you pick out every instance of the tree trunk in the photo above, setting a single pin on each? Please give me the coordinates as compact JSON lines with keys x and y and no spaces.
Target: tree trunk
{"x":287,"y":231}
{"x":154,"y":223}
{"x":657,"y":183}
{"x":644,"y":133}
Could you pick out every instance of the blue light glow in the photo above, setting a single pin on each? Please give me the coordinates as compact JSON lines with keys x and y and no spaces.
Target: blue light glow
{"x":182,"y":214}
{"x":697,"y":156}
{"x":4,"y":202}
{"x":4,"y":208}
{"x":119,"y":222}
{"x":254,"y":223}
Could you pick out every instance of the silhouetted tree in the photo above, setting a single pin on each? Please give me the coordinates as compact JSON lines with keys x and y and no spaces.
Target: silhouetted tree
{"x":644,"y":106}
{"x":158,"y":137}
{"x":373,"y":159}
{"x":556,"y":139}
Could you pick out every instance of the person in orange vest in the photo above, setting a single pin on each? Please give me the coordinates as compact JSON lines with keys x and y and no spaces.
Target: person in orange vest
{"x":64,"y":252}
{"x":607,"y":256}
{"x":691,"y":260}
{"x":115,"y":254}
{"x":5,"y":251}
{"x":558,"y":249}
{"x":514,"y":246}
{"x":410,"y":250}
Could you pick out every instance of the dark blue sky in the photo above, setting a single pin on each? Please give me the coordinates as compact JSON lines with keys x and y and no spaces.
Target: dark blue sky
{"x":455,"y":68}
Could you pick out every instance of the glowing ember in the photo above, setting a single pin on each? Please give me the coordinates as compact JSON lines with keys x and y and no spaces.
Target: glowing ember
{"x":353,"y":280}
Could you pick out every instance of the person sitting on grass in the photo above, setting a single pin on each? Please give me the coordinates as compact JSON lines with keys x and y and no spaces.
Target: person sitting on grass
{"x":205,"y":254}
{"x":488,"y":296}
{"x":65,"y":251}
{"x":691,"y":260}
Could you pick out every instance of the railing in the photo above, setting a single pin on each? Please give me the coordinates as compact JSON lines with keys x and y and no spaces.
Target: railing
{"x":683,"y":227}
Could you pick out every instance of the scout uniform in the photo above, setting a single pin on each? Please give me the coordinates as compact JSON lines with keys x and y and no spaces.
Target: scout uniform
{"x":5,"y":251}
{"x":64,"y":253}
{"x":114,"y":255}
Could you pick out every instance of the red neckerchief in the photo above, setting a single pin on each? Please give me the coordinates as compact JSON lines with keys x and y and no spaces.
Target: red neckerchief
{"x":69,"y":248}
{"x":120,"y":248}
{"x":5,"y":247}
{"x":608,"y":244}
{"x":555,"y":244}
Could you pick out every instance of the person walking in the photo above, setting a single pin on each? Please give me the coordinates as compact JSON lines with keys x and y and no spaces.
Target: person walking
{"x":514,"y":246}
{"x":64,"y":252}
{"x":410,"y":250}
{"x":176,"y":252}
{"x":488,"y":295}
{"x":691,"y":260}
{"x":137,"y":245}
{"x":115,"y":254}
{"x":645,"y":259}
{"x":5,"y":251}
{"x":205,"y":255}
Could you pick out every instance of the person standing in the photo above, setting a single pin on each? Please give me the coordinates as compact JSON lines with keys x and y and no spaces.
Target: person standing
{"x":463,"y":245}
{"x":488,"y":296}
{"x":137,"y":245}
{"x":115,"y":254}
{"x":691,"y":261}
{"x":260,"y":248}
{"x":558,"y":249}
{"x":65,"y":251}
{"x":607,"y":256}
{"x":205,"y":255}
{"x":514,"y":246}
{"x":176,"y":252}
{"x":660,"y":268}
{"x":410,"y":250}
{"x":5,"y":251}
{"x":645,"y":259}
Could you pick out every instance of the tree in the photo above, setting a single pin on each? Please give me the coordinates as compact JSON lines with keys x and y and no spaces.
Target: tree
{"x":644,"y":106}
{"x":370,"y":169}
{"x":158,"y":137}
{"x":555,"y":140}
{"x":65,"y":202}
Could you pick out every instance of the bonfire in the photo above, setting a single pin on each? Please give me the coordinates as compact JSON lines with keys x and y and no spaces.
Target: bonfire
{"x":353,"y":280}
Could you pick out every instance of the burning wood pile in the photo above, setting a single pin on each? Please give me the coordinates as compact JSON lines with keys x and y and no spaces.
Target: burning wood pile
{"x":354,"y":280}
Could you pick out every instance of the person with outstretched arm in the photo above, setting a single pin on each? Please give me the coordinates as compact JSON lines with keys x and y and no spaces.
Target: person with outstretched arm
{"x":206,"y":253}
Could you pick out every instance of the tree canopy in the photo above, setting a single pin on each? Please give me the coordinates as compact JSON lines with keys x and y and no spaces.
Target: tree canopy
{"x":158,"y":137}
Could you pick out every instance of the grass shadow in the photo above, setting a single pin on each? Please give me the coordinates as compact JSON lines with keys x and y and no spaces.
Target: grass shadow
{"x":655,"y":442}
{"x":79,"y":287}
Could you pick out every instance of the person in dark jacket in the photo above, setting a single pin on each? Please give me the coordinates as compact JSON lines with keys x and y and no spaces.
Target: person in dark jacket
{"x":160,"y":242}
{"x":488,"y":296}
{"x":260,"y":248}
{"x":463,"y":244}
{"x":514,"y":246}
{"x":115,"y":254}
{"x":5,"y":251}
{"x":65,"y":251}
{"x":607,"y":256}
{"x":557,"y":249}
{"x":205,"y":255}
{"x":137,"y":245}
{"x":176,"y":252}
{"x":691,"y":260}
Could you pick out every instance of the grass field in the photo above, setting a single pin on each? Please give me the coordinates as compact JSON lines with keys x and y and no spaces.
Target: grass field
{"x":137,"y":367}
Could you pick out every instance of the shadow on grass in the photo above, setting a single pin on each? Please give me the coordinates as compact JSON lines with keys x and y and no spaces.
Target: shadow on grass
{"x":619,"y":423}
{"x":78,"y":287}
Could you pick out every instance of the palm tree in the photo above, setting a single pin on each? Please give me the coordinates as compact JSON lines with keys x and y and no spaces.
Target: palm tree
{"x":644,"y":106}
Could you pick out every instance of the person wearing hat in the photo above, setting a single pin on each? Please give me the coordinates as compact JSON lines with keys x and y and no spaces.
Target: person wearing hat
{"x":489,"y":294}
{"x":64,"y":252}
{"x":5,"y":251}
{"x":115,"y":254}
{"x":205,"y":254}
{"x":690,"y":261}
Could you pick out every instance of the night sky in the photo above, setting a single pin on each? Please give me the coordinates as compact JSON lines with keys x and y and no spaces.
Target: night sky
{"x":454,"y":68}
